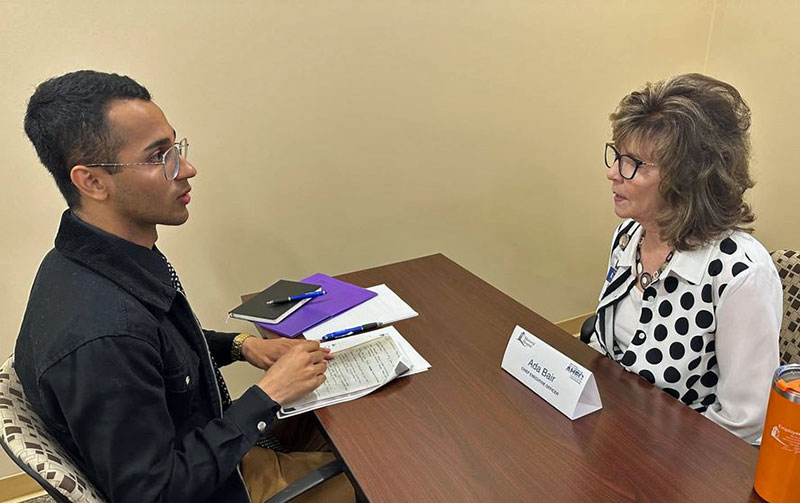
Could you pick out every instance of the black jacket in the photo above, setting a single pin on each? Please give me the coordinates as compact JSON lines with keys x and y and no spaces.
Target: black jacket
{"x":112,"y":358}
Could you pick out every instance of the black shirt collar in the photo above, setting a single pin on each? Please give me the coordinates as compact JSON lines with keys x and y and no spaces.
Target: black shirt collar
{"x":142,"y":272}
{"x":151,"y":259}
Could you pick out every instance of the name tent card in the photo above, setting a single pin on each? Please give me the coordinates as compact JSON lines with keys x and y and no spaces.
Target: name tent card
{"x":564,"y":384}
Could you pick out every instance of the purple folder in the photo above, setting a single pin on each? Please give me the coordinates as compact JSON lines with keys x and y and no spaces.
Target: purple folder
{"x":339,"y":298}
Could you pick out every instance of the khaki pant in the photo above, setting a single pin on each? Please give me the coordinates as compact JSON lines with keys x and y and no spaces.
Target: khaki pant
{"x":267,"y":472}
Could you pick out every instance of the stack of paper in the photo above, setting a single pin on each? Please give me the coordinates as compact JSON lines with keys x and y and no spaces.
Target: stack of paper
{"x":416,"y":363}
{"x":387,"y":307}
{"x":362,"y":364}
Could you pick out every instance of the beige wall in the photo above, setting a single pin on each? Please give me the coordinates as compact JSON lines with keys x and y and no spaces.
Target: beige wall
{"x":334,"y":136}
{"x":756,"y":45}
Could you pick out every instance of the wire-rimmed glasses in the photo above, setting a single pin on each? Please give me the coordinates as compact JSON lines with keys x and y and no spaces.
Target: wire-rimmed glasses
{"x":170,"y":160}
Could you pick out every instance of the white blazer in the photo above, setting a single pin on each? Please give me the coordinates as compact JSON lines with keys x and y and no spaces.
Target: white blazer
{"x":708,"y":329}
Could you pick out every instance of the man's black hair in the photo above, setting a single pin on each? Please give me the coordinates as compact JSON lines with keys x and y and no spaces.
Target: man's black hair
{"x":67,"y":122}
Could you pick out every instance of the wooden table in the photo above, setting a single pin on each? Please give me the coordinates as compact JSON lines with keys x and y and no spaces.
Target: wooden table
{"x":468,"y":431}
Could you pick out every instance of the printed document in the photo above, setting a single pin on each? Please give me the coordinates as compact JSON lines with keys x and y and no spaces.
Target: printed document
{"x":414,"y":360}
{"x":354,"y":372}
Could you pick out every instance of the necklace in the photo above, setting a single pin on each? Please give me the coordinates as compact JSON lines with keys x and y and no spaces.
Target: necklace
{"x":645,"y":278}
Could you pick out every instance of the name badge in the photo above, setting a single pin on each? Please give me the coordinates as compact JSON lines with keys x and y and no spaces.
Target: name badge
{"x":564,"y":384}
{"x":611,"y":272}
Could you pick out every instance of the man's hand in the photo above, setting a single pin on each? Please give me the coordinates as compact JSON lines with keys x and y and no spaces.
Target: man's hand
{"x":263,"y":353}
{"x":298,"y":372}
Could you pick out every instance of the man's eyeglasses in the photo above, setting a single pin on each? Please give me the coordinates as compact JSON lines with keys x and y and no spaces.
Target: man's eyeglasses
{"x":170,"y":160}
{"x":628,"y":165}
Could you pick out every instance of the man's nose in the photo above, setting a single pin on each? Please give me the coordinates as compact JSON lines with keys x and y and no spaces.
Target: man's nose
{"x":187,"y":170}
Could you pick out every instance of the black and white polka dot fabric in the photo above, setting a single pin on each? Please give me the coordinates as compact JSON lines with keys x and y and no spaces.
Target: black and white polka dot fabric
{"x":707,"y":330}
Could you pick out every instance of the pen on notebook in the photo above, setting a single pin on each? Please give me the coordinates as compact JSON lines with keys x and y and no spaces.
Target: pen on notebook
{"x":350,"y":331}
{"x":296,"y":297}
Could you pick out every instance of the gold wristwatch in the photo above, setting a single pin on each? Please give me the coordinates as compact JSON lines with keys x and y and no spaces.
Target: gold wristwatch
{"x":236,"y":347}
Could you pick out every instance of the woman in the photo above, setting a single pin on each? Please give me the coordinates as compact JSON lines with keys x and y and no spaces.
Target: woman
{"x":691,"y":301}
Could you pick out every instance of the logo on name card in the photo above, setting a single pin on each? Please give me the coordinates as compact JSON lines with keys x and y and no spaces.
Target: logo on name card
{"x":575,"y":373}
{"x":525,"y":340}
{"x":551,"y":374}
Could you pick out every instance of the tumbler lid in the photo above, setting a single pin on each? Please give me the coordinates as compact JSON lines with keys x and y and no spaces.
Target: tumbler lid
{"x":786,"y":382}
{"x":793,"y":385}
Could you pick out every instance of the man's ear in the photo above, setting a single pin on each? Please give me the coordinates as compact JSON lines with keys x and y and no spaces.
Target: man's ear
{"x":92,"y":183}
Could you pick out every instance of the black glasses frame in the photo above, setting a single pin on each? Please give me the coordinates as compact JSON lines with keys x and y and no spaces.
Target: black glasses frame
{"x":637,"y":163}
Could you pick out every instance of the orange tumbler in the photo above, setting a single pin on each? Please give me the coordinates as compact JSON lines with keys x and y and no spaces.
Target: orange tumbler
{"x":778,"y":471}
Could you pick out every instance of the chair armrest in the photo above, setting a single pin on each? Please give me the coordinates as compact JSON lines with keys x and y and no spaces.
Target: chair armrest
{"x":313,"y":479}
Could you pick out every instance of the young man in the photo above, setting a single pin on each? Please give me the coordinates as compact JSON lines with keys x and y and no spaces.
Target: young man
{"x":110,"y":354}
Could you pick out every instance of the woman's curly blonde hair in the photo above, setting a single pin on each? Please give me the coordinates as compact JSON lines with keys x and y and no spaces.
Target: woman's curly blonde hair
{"x":698,"y":127}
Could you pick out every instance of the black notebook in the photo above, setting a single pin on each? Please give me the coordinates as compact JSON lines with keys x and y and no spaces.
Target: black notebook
{"x":257,"y":310}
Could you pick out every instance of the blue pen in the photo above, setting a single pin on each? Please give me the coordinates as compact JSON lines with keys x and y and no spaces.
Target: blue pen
{"x":293,"y":298}
{"x":350,"y":331}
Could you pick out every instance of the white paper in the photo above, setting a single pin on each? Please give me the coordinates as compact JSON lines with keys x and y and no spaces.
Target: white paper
{"x":356,"y":368}
{"x":564,"y":384}
{"x":386,"y":307}
{"x":348,"y":379}
{"x":400,"y":371}
{"x":415,"y":361}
